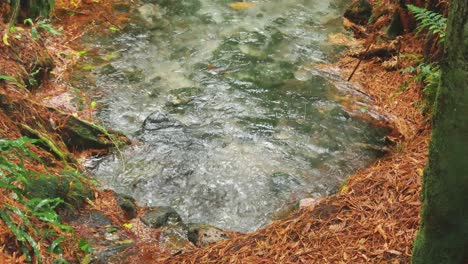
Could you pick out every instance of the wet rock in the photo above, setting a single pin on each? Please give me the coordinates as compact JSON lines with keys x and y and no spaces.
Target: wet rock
{"x":359,"y":12}
{"x":160,"y":216}
{"x":182,"y":96}
{"x":202,"y":235}
{"x":174,"y":239}
{"x":103,"y":256}
{"x":80,"y":134}
{"x":127,"y":204}
{"x":160,"y":120}
{"x":280,"y":182}
{"x":176,"y":101}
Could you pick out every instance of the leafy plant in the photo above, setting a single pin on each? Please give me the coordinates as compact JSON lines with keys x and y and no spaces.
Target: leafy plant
{"x":12,"y":80}
{"x":32,"y":221}
{"x":40,"y":24}
{"x":427,"y":74}
{"x":434,"y":22}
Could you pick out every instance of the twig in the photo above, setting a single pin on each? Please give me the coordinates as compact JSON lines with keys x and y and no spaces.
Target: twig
{"x":359,"y":63}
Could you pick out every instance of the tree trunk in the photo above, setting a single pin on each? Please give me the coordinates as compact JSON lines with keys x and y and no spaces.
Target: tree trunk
{"x":443,"y":235}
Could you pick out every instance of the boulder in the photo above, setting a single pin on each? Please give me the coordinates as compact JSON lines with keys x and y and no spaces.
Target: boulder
{"x":152,"y":15}
{"x":307,"y":202}
{"x":174,"y":239}
{"x":160,"y":216}
{"x":202,"y":235}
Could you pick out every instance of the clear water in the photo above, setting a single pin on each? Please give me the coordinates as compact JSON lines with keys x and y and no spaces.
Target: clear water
{"x":243,"y":122}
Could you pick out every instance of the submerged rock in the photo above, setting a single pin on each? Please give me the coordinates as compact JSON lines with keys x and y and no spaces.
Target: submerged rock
{"x":152,"y":15}
{"x":160,"y":120}
{"x":180,"y":7}
{"x":176,"y":101}
{"x":202,"y":235}
{"x":160,"y":216}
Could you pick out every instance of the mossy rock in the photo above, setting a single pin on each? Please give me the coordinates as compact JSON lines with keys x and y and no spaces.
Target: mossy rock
{"x":186,"y":91}
{"x":174,"y":239}
{"x":80,"y":134}
{"x":159,"y":216}
{"x":127,"y":203}
{"x":203,"y":235}
{"x":68,"y":186}
{"x":110,"y":254}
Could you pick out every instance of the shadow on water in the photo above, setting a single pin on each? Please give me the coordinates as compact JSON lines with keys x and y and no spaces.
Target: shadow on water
{"x":234,"y":118}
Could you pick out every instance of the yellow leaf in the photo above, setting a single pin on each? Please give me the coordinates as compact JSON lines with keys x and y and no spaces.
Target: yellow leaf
{"x":344,"y":189}
{"x":5,"y":39}
{"x":420,"y":171}
{"x":128,"y":225}
{"x":90,"y":202}
{"x":241,"y":5}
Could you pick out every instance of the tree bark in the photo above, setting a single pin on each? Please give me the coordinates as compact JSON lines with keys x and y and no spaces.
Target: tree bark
{"x":443,"y":235}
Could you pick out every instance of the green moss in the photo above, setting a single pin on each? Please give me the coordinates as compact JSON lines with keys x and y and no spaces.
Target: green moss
{"x":50,"y":145}
{"x":443,"y":236}
{"x":68,"y":186}
{"x":84,"y":135}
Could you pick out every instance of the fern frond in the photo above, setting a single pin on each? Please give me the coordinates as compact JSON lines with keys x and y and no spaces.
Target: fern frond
{"x":434,"y":22}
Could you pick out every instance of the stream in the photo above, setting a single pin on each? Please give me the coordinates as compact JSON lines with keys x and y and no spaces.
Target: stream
{"x":234,"y":119}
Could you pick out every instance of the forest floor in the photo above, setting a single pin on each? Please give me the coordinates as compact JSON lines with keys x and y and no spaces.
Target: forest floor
{"x":373,"y":218}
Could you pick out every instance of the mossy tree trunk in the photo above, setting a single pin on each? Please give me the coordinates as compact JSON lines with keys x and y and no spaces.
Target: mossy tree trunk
{"x":443,"y":235}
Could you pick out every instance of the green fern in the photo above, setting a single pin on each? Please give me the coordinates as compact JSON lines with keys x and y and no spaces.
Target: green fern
{"x":35,"y":223}
{"x":429,"y":76}
{"x":434,"y":22}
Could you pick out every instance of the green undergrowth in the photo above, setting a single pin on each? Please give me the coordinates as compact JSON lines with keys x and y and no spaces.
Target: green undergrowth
{"x":428,"y":74}
{"x":30,"y":213}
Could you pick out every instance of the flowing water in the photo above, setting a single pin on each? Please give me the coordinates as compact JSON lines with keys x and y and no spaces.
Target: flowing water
{"x":234,"y":118}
